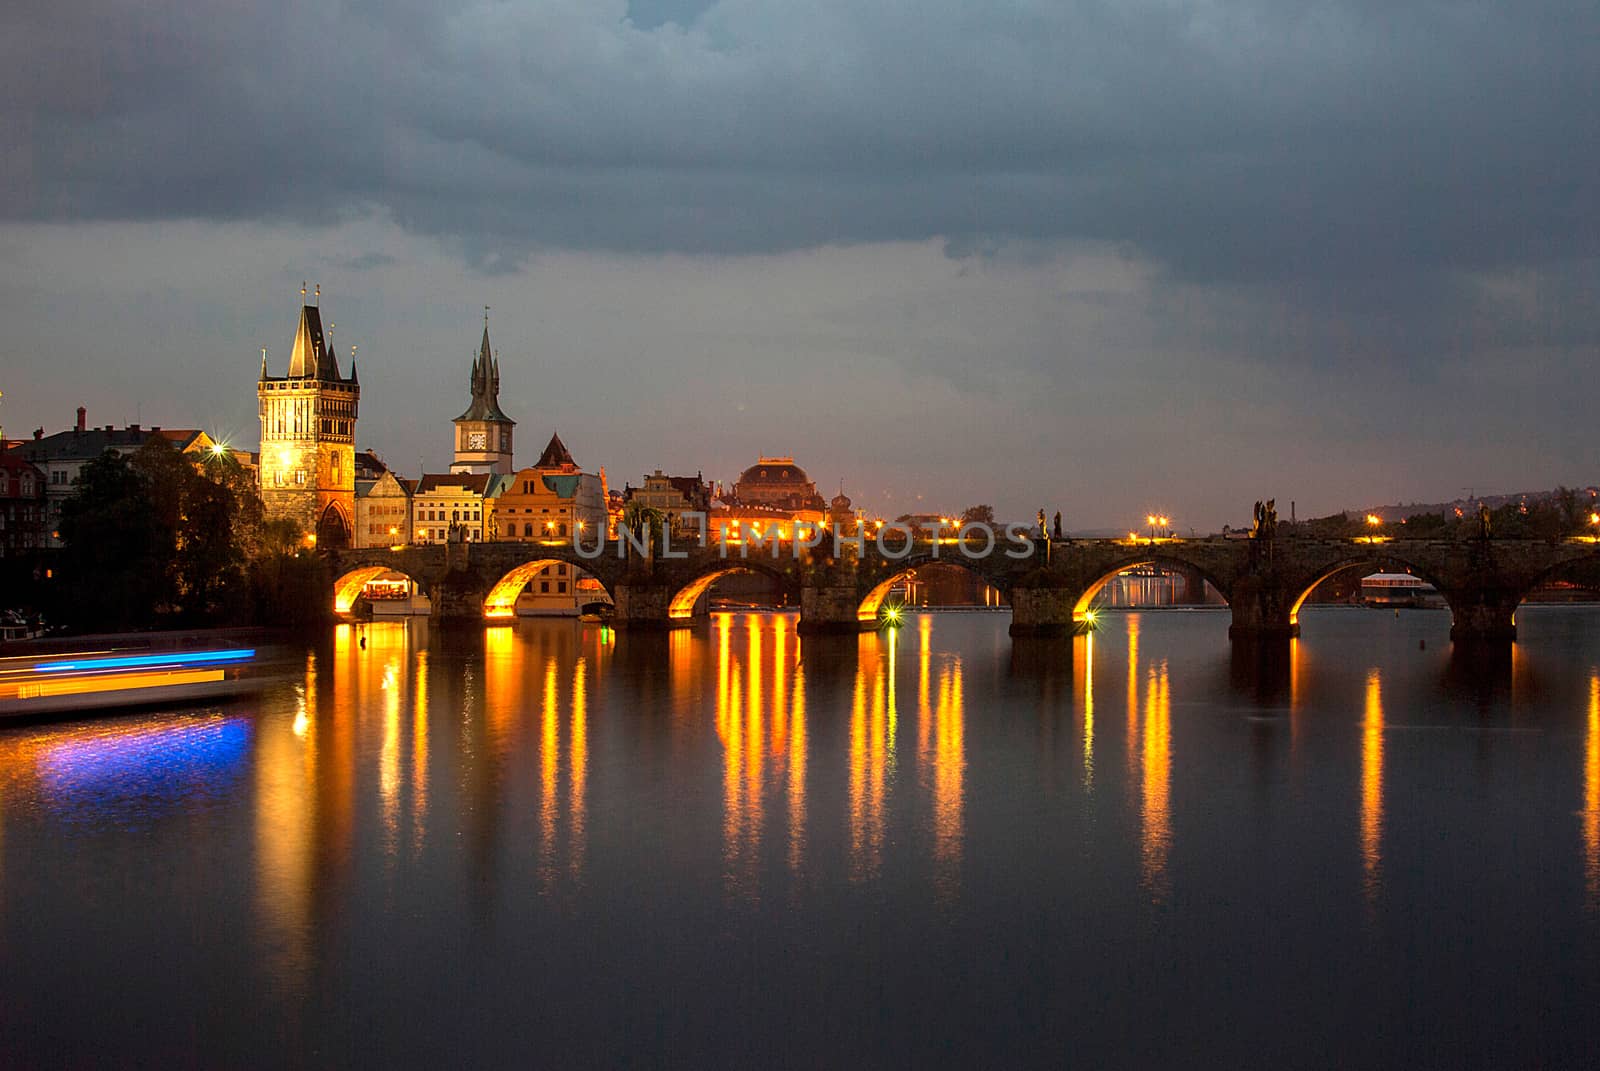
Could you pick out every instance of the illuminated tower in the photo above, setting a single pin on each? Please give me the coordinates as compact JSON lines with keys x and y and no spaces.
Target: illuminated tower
{"x":308,"y":436}
{"x":483,"y":432}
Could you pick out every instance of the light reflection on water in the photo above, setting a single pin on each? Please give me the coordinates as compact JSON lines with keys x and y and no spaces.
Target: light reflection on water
{"x":804,"y":828}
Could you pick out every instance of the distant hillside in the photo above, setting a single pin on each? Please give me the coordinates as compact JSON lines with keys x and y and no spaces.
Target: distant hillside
{"x":1470,"y":505}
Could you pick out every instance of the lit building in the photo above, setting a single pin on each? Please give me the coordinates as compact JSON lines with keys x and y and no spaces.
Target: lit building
{"x":62,"y":455}
{"x":671,"y":495}
{"x":773,"y":495}
{"x":308,"y":434}
{"x":22,"y":506}
{"x":450,"y":507}
{"x":553,"y":502}
{"x":383,"y":511}
{"x":778,"y":483}
{"x":483,"y":432}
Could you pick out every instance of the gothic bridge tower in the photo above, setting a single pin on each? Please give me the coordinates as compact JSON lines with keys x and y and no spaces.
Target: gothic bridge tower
{"x":483,"y":432}
{"x":308,"y":435}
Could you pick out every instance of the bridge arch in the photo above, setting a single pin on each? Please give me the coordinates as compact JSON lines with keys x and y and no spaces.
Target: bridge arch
{"x":1081,"y":613}
{"x":872,"y":601}
{"x":1590,"y":561}
{"x":501,"y":600}
{"x":348,"y":587}
{"x":681,"y":606}
{"x":1302,"y":588}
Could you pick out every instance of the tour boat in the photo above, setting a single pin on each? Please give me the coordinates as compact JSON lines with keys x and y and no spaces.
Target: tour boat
{"x":126,"y":671}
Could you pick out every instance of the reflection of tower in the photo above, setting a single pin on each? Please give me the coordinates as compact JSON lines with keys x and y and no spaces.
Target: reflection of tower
{"x":308,"y":434}
{"x":483,"y":432}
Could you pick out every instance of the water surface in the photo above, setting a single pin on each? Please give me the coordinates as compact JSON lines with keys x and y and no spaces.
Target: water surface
{"x":548,"y":844}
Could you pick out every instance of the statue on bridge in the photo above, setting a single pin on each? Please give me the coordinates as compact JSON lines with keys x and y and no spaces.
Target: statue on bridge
{"x":1044,"y":531}
{"x":1485,"y":520}
{"x":1058,"y":525}
{"x":1266,"y":519}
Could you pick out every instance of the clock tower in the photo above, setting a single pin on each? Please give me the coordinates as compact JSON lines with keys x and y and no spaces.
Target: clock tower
{"x":483,"y":432}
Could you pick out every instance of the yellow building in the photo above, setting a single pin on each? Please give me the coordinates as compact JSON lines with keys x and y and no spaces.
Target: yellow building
{"x":308,"y":434}
{"x":551,"y":503}
{"x":450,"y":507}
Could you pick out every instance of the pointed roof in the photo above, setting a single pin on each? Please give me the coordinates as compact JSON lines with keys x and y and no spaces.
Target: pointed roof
{"x":485,"y":386}
{"x":556,"y":455}
{"x":311,"y":357}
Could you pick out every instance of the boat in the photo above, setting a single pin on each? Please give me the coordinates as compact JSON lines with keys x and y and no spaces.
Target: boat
{"x":51,"y":678}
{"x":1385,"y":590}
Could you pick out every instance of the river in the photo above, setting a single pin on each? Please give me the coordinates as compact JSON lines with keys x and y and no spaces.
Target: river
{"x":549,"y":844}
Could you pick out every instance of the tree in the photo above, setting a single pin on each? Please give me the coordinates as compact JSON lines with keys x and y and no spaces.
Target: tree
{"x":152,"y":538}
{"x":978,"y":515}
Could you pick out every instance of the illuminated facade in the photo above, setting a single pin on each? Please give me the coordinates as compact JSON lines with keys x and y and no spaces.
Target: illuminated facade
{"x":383,"y":511}
{"x":553,"y":502}
{"x":672,"y":495}
{"x":483,"y":432}
{"x":308,"y":435}
{"x":450,"y":507}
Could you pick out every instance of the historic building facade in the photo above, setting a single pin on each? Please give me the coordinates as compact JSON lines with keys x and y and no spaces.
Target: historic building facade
{"x":383,"y":511}
{"x":308,"y":435}
{"x":452,"y":507}
{"x":553,"y":502}
{"x":62,"y":455}
{"x":673,"y":496}
{"x":22,"y":505}
{"x":483,"y":433}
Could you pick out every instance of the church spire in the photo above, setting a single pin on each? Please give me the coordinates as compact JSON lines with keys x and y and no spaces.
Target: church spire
{"x":485,"y":382}
{"x":311,"y":358}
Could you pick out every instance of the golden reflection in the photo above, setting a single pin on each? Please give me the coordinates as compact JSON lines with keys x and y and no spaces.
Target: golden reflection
{"x":1087,"y":673}
{"x":924,"y":660}
{"x":870,"y":763}
{"x":760,"y":719}
{"x":1591,"y":797}
{"x":1133,"y":691}
{"x":549,"y":741}
{"x":1157,"y":753}
{"x":389,"y":755}
{"x":579,"y":760}
{"x":797,"y":773}
{"x":419,"y":752}
{"x":285,"y":779}
{"x":1372,"y":786}
{"x":949,"y":776}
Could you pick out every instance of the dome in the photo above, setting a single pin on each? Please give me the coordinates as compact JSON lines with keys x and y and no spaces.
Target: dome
{"x":779,"y":482}
{"x":774,"y":472}
{"x":840,"y":503}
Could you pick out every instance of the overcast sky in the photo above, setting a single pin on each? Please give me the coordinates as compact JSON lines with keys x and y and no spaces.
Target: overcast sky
{"x":1098,"y":257}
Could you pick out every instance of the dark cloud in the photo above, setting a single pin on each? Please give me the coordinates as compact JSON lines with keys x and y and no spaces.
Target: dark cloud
{"x":1264,"y":141}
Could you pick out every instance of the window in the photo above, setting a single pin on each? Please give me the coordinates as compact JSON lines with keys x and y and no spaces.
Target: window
{"x":527,"y":531}
{"x":300,"y":478}
{"x":544,"y":587}
{"x":561,"y":587}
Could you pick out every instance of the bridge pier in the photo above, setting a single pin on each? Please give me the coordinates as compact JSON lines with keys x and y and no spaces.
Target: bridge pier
{"x":1042,"y":611}
{"x":831,"y":608}
{"x":1261,"y":609}
{"x":646,"y":607}
{"x":1484,"y":617}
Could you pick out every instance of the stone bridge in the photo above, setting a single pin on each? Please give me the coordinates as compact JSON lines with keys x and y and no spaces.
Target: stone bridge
{"x":1049,"y":584}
